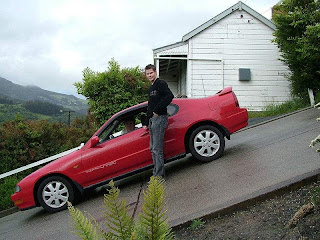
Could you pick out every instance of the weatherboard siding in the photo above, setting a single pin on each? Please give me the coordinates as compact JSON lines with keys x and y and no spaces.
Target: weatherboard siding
{"x":237,"y":38}
{"x":240,"y":43}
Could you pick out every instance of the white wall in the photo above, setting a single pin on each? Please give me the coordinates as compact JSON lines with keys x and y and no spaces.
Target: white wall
{"x":241,"y":43}
{"x":206,"y":78}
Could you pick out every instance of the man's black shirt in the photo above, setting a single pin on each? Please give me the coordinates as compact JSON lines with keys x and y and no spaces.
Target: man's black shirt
{"x":160,"y":96}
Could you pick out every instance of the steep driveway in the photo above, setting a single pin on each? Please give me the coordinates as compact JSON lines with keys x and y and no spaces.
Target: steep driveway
{"x":256,"y":161}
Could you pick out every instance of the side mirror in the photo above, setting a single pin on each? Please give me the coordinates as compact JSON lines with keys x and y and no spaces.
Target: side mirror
{"x":94,"y":141}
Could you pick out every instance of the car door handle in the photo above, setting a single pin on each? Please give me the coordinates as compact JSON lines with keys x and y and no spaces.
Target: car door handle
{"x":144,"y":133}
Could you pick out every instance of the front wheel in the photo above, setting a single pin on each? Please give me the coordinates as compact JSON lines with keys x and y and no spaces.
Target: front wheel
{"x":206,"y":143}
{"x":54,"y":193}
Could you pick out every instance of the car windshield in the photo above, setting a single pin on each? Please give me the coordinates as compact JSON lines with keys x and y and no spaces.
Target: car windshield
{"x":104,"y":135}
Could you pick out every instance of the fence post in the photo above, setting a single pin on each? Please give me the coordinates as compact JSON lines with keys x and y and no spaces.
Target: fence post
{"x":311,"y":96}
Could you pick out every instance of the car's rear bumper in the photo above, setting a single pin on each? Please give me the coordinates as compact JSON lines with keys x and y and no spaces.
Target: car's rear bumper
{"x":237,"y":120}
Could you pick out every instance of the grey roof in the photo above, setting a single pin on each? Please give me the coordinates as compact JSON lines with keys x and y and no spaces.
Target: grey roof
{"x":167,"y":47}
{"x":238,"y":6}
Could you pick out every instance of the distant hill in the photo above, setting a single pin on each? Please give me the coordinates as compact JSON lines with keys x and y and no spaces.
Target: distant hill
{"x":34,"y":110}
{"x":32,"y":93}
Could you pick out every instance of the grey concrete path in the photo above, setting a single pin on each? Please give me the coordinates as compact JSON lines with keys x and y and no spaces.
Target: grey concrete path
{"x":256,"y":161}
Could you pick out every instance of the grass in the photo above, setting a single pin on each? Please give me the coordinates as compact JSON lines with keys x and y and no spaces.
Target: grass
{"x":316,"y":196}
{"x":197,"y":224}
{"x":278,"y":109}
{"x":286,"y":107}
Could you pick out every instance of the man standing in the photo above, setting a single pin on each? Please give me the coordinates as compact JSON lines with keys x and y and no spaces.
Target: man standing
{"x":160,"y":97}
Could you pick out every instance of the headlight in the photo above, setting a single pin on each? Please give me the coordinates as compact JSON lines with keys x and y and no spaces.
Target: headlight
{"x":17,"y":189}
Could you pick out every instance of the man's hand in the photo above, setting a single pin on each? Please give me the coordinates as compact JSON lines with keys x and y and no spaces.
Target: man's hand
{"x":145,"y":127}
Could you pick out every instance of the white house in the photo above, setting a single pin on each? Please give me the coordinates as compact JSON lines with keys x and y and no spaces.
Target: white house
{"x":235,"y":49}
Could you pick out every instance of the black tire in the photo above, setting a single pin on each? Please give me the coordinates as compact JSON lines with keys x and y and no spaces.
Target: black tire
{"x":54,"y":193}
{"x":206,"y":143}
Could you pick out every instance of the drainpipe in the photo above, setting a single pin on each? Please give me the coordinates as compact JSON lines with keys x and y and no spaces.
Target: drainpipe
{"x":189,"y":67}
{"x":158,"y":66}
{"x":222,"y":73}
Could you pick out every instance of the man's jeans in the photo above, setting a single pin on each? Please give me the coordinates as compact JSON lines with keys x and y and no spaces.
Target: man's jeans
{"x":157,"y":127}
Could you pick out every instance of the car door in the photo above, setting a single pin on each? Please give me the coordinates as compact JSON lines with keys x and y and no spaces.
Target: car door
{"x":170,"y":136}
{"x":117,"y":156}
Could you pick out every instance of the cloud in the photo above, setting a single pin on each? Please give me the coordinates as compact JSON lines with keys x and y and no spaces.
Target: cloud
{"x":48,"y":43}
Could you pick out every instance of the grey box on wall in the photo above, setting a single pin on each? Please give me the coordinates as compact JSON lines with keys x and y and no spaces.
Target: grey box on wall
{"x":244,"y":74}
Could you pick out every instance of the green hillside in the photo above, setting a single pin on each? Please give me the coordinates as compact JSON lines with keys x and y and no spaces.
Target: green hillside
{"x":9,"y":112}
{"x":30,"y":93}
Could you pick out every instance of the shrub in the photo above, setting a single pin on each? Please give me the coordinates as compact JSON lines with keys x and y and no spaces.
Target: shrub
{"x":6,"y":189}
{"x":113,"y":90}
{"x":26,"y":141}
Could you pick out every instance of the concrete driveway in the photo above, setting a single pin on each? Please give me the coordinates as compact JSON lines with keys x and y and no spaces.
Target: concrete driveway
{"x":256,"y":161}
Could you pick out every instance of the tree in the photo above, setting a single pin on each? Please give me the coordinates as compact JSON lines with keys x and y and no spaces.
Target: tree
{"x":45,"y":108}
{"x":298,"y":38}
{"x":113,"y":90}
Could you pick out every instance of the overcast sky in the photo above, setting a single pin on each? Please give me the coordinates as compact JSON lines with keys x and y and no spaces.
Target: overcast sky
{"x":48,"y":43}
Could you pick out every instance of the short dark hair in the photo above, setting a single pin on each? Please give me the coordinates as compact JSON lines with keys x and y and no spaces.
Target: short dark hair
{"x":129,"y":119}
{"x":150,"y":66}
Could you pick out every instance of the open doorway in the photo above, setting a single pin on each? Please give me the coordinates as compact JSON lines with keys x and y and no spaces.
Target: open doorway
{"x":173,"y":69}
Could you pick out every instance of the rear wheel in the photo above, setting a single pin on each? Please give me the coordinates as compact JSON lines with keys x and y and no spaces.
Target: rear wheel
{"x":206,"y":143}
{"x":54,"y":193}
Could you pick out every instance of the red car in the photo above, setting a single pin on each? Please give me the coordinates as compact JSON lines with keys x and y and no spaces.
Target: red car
{"x":196,"y":126}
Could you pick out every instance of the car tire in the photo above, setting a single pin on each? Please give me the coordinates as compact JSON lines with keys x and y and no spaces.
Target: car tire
{"x":54,"y":193}
{"x":206,"y":143}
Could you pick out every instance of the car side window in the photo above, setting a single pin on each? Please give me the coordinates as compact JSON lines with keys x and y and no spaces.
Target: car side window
{"x":124,"y":124}
{"x":106,"y":133}
{"x":172,"y":109}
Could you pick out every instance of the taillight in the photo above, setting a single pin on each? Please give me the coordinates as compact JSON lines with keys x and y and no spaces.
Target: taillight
{"x":235,"y":99}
